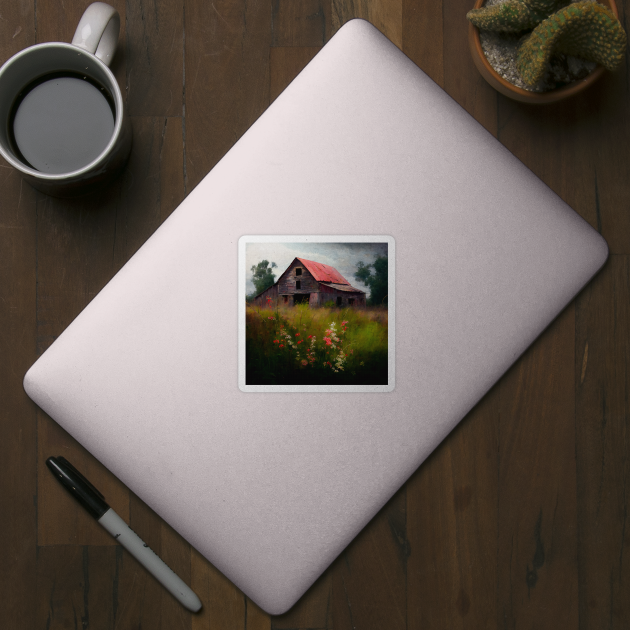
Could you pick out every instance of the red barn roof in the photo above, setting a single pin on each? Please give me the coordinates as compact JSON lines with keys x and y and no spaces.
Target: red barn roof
{"x":323,"y":273}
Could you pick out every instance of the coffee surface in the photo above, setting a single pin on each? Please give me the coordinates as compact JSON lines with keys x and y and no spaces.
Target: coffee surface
{"x":62,"y":124}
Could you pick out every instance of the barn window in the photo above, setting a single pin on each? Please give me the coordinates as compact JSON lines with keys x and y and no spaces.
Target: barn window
{"x":286,"y":299}
{"x":298,"y":271}
{"x":350,"y":301}
{"x":298,"y":284}
{"x":338,"y":300}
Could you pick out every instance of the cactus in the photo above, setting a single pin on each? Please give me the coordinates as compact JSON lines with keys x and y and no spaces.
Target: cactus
{"x":513,"y":16}
{"x":584,"y":29}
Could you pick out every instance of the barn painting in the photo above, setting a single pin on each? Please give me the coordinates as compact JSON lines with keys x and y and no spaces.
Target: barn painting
{"x":313,"y":283}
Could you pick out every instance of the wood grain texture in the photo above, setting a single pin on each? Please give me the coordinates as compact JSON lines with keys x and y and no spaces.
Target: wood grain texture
{"x":313,"y":610}
{"x":452,"y":516}
{"x":285,"y":64}
{"x":154,"y":58}
{"x":224,"y":606}
{"x":574,"y":150}
{"x":226,"y":78}
{"x":76,"y":587}
{"x":519,"y":519}
{"x":537,"y":509}
{"x":386,"y":15}
{"x":300,"y":23}
{"x":602,"y":380}
{"x":18,"y":416}
{"x":422,"y":36}
{"x":151,"y":605}
{"x":461,"y":79}
{"x":58,"y":519}
{"x":369,"y":577}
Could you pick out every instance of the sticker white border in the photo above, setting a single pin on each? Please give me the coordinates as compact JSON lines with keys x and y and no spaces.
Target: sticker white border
{"x":391,"y":308}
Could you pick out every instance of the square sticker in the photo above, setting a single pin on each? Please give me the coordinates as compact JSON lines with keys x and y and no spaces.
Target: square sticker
{"x":316,"y":313}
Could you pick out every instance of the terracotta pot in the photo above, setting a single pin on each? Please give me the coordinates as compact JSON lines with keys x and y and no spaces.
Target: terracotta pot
{"x":518,"y":94}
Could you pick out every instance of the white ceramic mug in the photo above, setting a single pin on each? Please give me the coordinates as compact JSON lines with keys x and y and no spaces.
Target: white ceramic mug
{"x":88,"y":57}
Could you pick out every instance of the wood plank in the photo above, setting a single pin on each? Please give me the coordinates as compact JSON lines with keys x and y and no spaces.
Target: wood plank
{"x":226,"y":78}
{"x":300,"y":23}
{"x":152,"y":185}
{"x":224,"y":606}
{"x":603,"y":469}
{"x":452,"y":526}
{"x":61,"y":520}
{"x":462,"y":80}
{"x":154,"y":57}
{"x":386,"y":15}
{"x":142,"y":600}
{"x":17,"y":28}
{"x":608,"y":127}
{"x":285,"y":64}
{"x":537,"y":537}
{"x":558,"y":147}
{"x":312,"y":610}
{"x":18,"y":416}
{"x":369,"y":577}
{"x":423,"y":36}
{"x":255,"y":617}
{"x":575,"y":147}
{"x":76,"y":587}
{"x":18,"y":423}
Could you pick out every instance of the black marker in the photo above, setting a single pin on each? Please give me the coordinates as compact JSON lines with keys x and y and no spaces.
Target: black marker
{"x":94,"y":502}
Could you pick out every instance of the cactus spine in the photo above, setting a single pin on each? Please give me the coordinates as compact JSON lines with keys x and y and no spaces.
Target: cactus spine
{"x":583,"y":29}
{"x":513,"y":16}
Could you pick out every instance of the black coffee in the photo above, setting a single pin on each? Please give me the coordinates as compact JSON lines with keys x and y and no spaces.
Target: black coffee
{"x":61,"y":123}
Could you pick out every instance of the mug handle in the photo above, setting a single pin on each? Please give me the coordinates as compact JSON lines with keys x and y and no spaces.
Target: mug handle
{"x":98,"y":30}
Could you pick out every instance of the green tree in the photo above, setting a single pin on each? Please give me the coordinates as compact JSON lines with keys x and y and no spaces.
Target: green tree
{"x":374,"y":275}
{"x":263,"y":276}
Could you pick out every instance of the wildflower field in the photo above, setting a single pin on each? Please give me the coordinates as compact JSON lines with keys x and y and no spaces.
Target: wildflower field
{"x":303,"y":346}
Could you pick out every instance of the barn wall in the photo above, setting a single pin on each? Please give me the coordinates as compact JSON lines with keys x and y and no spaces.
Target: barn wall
{"x":319,"y":293}
{"x":286,"y":282}
{"x":271,"y":292}
{"x":330,"y":293}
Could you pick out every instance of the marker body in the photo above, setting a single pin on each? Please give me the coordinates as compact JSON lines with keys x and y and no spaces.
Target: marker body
{"x":94,"y":502}
{"x":149,"y":559}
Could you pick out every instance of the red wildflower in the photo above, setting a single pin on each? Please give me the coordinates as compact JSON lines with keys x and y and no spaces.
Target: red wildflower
{"x":310,"y":336}
{"x":300,"y":341}
{"x":276,"y":341}
{"x":281,"y":345}
{"x":297,"y":334}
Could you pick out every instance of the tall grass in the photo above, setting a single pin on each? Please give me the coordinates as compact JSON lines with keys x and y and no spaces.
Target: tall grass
{"x":303,"y":346}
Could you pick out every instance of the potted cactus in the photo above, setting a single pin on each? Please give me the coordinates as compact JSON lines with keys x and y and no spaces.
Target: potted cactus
{"x":558,"y":49}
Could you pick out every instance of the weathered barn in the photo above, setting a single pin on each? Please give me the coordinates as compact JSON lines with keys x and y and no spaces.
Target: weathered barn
{"x":313,"y":283}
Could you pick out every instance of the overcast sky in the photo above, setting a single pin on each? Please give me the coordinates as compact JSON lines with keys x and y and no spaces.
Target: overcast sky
{"x":342,"y":256}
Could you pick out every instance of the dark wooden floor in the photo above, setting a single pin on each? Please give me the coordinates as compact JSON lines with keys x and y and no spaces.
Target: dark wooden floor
{"x":518,"y":520}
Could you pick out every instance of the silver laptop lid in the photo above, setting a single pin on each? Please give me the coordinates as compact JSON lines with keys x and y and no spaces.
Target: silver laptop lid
{"x":270,"y":486}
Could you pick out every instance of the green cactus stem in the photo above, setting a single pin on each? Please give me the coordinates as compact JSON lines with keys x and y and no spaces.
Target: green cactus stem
{"x":584,"y":29}
{"x":513,"y":16}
